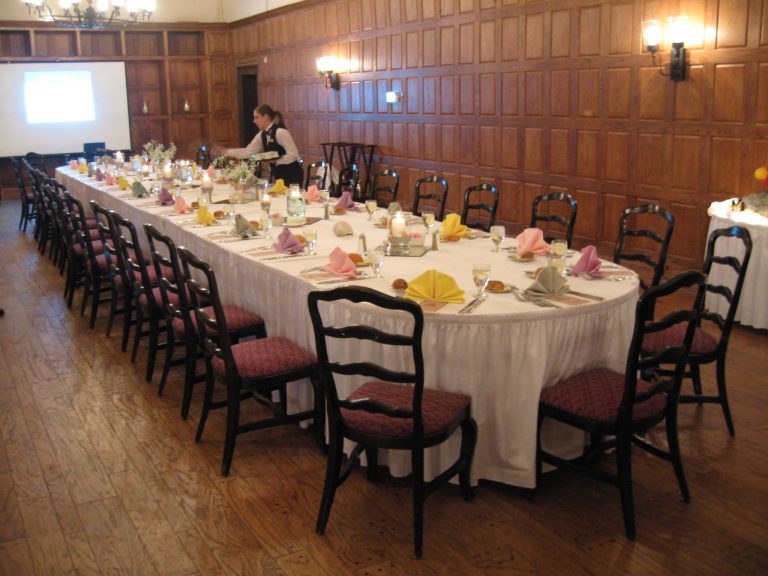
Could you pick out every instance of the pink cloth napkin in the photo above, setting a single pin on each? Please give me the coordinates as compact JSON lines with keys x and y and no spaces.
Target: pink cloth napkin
{"x":165,"y":198}
{"x":181,"y":205}
{"x":73,"y":165}
{"x":588,"y":264}
{"x":341,"y":265}
{"x":288,"y":243}
{"x":210,"y":171}
{"x":532,"y":240}
{"x":313,"y":194}
{"x":99,"y":174}
{"x":346,"y":201}
{"x":110,"y":180}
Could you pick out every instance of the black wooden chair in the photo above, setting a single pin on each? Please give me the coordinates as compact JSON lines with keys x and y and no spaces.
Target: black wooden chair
{"x":617,"y":409}
{"x":385,"y":187}
{"x":547,"y":208}
{"x":181,"y":319}
{"x":660,"y":234}
{"x":250,"y":369}
{"x":28,"y":198}
{"x":476,"y":199}
{"x":712,"y":345}
{"x":104,"y":282}
{"x":349,"y":177}
{"x":432,"y":189}
{"x":317,"y":174}
{"x":392,"y":409}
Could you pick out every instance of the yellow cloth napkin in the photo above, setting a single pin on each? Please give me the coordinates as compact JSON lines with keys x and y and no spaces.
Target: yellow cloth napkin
{"x":452,"y":226}
{"x":122,"y":182}
{"x":435,"y":286}
{"x":278,"y":187}
{"x":204,"y":216}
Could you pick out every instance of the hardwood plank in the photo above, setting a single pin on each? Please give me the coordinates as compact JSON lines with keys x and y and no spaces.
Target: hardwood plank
{"x":16,"y":558}
{"x":46,"y":541}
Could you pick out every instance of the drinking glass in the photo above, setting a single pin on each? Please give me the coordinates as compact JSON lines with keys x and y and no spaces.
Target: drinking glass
{"x":428,"y":217}
{"x":370,"y":207}
{"x":481,"y":274}
{"x":266,"y":202}
{"x":497,"y":236}
{"x":265,"y":223}
{"x":310,"y":235}
{"x":558,"y":250}
{"x":376,"y":256}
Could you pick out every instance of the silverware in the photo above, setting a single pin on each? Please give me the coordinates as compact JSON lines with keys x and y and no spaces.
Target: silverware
{"x":468,"y":306}
{"x":339,"y":280}
{"x":228,"y":240}
{"x":587,"y":296}
{"x":315,"y":269}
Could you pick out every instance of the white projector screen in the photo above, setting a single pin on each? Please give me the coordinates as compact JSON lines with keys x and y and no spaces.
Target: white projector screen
{"x":56,"y":108}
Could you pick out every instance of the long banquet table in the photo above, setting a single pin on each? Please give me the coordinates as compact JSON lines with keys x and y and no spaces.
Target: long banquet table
{"x":502,"y":355}
{"x":753,"y":306}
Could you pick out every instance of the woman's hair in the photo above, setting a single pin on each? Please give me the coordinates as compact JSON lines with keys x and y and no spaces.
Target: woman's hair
{"x":274,"y":115}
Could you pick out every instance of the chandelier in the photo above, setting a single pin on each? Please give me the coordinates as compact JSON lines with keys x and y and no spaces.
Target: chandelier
{"x":94,"y":13}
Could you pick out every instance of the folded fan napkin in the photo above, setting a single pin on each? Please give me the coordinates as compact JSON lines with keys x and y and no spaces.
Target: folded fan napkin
{"x":452,"y":226}
{"x":165,"y":198}
{"x":110,"y":180}
{"x":341,"y":265}
{"x":181,"y":206}
{"x":278,"y":187}
{"x":588,"y":264}
{"x":346,"y":202}
{"x":313,"y":194}
{"x":204,"y":216}
{"x":73,"y":164}
{"x":122,"y":183}
{"x":288,"y":243}
{"x":435,"y":286}
{"x":532,"y":240}
{"x":211,"y":171}
{"x":138,"y":190}
{"x":242,"y":227}
{"x":549,"y":282}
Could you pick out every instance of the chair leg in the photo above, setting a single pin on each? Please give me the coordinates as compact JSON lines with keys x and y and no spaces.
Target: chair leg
{"x":128,"y":310}
{"x":207,"y":400}
{"x":319,"y":408}
{"x":233,"y":421}
{"x":673,"y":444}
{"x":95,"y":300}
{"x":468,"y":443}
{"x":168,"y":361}
{"x":137,"y":332}
{"x":419,"y":494}
{"x":372,"y":457}
{"x":696,"y":378}
{"x":190,"y":376}
{"x":624,"y":467}
{"x":723,"y":394}
{"x":154,"y":337}
{"x":332,"y":470}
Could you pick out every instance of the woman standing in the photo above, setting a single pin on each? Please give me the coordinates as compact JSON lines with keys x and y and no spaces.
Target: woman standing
{"x":273,"y":136}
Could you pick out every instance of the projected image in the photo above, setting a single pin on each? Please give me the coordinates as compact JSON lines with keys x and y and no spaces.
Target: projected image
{"x":58,"y":97}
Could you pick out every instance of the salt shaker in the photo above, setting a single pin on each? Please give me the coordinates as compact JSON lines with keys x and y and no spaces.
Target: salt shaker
{"x":362,"y":245}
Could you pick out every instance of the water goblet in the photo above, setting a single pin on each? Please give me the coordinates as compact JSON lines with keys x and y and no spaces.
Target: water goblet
{"x":558,"y":250}
{"x":310,"y":235}
{"x":370,"y":207}
{"x":428,"y":217}
{"x":265,"y":223}
{"x":376,"y":256}
{"x":497,"y":236}
{"x":481,"y":274}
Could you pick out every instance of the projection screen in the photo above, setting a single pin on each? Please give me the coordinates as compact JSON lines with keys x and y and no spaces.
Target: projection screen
{"x":56,"y":108}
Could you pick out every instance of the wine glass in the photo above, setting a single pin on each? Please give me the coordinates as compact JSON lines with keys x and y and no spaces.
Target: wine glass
{"x":266,"y":202}
{"x":497,"y":236}
{"x":558,"y":250}
{"x":370,"y":207}
{"x":265,"y":223}
{"x":481,"y":274}
{"x":428,"y":217}
{"x":376,"y":256}
{"x":310,"y":235}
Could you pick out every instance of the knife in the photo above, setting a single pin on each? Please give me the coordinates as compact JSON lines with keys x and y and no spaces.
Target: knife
{"x":587,"y":296}
{"x":338,"y":280}
{"x":468,"y":307}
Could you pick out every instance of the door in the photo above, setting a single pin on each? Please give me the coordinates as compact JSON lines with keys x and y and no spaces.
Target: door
{"x":248,"y":95}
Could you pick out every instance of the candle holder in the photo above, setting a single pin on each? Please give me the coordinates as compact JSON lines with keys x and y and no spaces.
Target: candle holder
{"x":399,"y":245}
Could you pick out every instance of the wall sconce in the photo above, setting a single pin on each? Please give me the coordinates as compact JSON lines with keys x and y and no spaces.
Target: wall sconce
{"x":677,"y":28}
{"x":326,"y":66}
{"x":186,"y":106}
{"x":394,"y":97}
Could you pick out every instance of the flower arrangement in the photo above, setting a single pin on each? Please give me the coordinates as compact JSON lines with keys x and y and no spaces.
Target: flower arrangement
{"x":761,"y":174}
{"x":158,"y":153}
{"x":237,"y":170}
{"x":757,"y":202}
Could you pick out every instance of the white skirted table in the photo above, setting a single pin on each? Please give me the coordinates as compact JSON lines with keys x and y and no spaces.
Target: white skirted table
{"x":753,"y":306}
{"x":502,"y":355}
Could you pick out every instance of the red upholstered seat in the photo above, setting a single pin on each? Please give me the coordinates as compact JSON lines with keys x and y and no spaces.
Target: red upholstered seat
{"x":266,"y":357}
{"x":596,"y":395}
{"x":441,"y":410}
{"x":703,"y":341}
{"x":237,"y":318}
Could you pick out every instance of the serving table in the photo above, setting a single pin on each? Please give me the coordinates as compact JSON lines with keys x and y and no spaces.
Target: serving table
{"x":502,"y":354}
{"x":753,"y":306}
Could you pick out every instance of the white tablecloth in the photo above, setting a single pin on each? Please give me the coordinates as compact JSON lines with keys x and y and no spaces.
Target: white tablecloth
{"x":753,"y":306}
{"x":502,"y":355}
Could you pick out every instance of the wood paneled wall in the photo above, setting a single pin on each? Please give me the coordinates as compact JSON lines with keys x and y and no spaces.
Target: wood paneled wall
{"x":533,"y":97}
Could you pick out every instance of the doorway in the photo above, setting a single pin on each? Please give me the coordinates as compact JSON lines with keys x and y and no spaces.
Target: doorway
{"x":248,"y":95}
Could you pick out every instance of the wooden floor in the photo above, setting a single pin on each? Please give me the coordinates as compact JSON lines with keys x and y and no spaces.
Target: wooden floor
{"x":98,"y":475}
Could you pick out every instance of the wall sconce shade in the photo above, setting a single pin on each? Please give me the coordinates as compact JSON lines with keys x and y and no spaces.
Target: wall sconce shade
{"x":394,"y":97}
{"x":326,"y":67}
{"x":677,"y":28}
